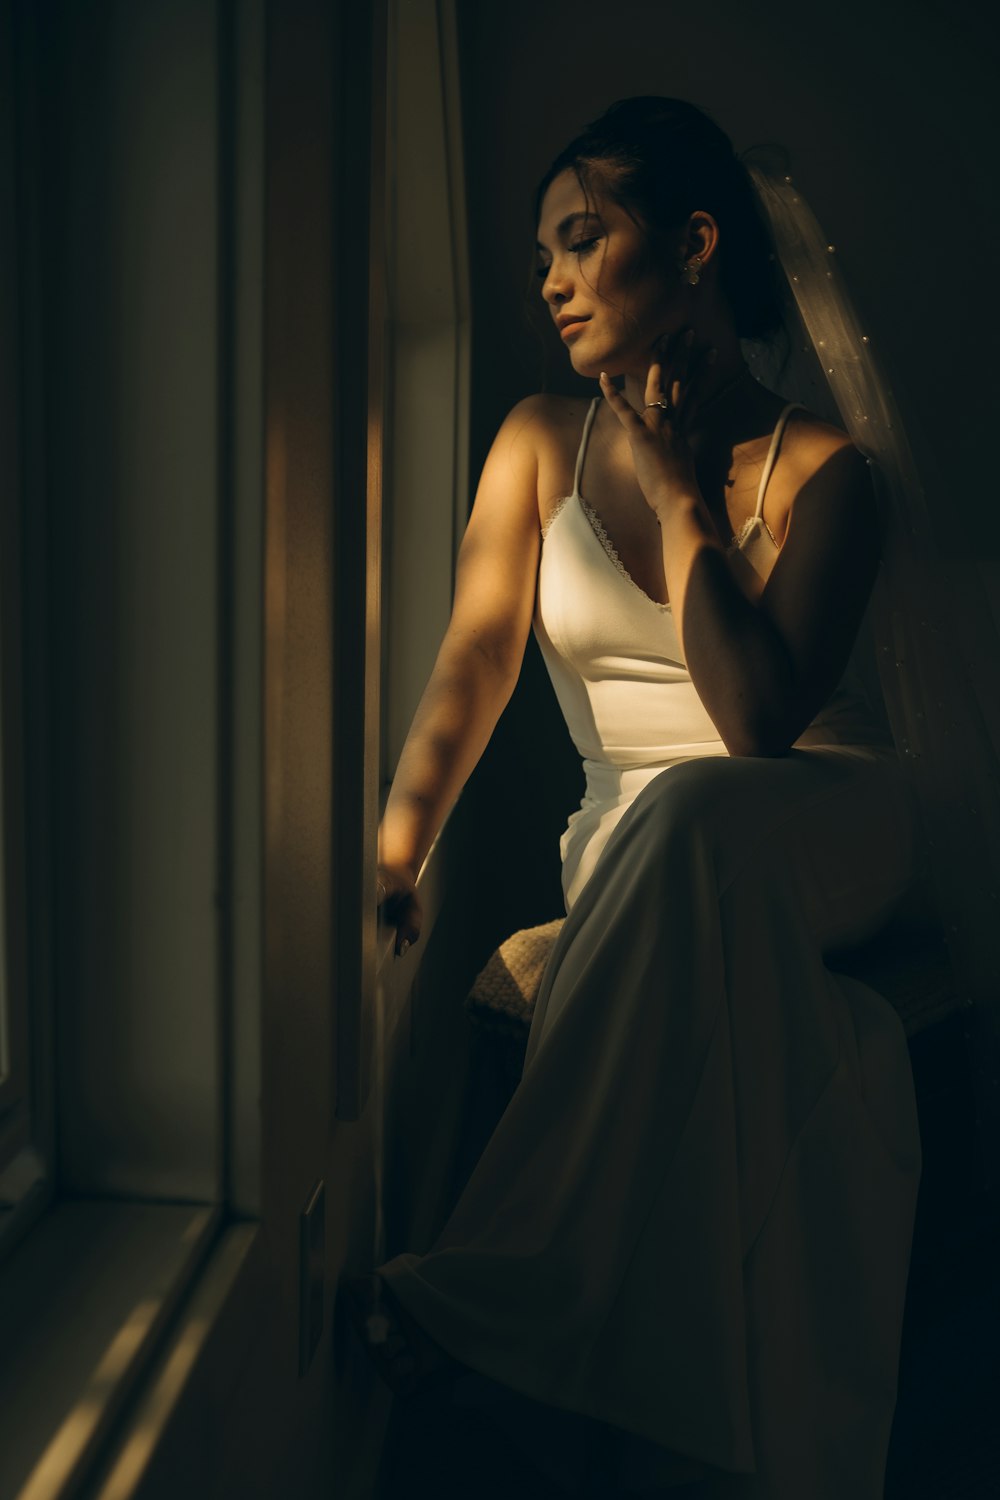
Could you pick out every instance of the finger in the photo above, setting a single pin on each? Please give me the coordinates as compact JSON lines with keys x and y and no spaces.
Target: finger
{"x":676,"y":360}
{"x":407,"y":932}
{"x":621,"y":408}
{"x":654,"y":382}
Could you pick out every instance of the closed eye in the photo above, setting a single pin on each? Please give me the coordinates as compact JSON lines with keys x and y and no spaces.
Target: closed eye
{"x":582,"y":247}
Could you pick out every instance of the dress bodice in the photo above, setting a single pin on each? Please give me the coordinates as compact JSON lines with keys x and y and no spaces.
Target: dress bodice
{"x":616,"y":663}
{"x":614,"y":654}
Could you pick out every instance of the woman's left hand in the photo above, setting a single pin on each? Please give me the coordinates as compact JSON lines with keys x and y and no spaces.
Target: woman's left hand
{"x":664,"y":462}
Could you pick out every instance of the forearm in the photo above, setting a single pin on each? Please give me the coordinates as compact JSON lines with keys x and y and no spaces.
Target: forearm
{"x":458,"y":712}
{"x":737,"y":660}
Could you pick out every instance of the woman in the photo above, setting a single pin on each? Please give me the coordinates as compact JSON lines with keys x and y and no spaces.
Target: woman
{"x":693,"y":1221}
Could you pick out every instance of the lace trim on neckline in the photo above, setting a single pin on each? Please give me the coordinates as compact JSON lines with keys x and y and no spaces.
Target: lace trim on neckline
{"x":597,"y":526}
{"x":745,"y":530}
{"x":559,"y":507}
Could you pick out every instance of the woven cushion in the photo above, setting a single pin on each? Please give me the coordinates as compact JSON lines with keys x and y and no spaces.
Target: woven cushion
{"x":503,"y":995}
{"x":909,"y":966}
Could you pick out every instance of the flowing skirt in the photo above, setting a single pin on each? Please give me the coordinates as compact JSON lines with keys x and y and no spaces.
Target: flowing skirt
{"x":693,"y":1220}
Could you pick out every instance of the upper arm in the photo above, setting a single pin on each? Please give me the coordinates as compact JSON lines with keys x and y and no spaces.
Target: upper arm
{"x":497,"y":564}
{"x":822,"y":578}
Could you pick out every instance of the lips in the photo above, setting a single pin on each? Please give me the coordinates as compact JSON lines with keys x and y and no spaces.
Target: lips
{"x":571,"y":326}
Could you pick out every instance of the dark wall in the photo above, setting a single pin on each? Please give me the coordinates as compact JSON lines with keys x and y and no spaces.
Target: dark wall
{"x":888,"y":115}
{"x":887,"y":111}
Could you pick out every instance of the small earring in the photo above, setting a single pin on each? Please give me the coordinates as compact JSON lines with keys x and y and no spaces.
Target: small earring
{"x":692,"y":270}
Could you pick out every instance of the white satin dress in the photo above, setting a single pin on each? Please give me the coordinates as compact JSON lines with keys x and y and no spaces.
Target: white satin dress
{"x":693,"y":1221}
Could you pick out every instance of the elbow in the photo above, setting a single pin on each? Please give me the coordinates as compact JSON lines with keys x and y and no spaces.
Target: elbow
{"x":768,"y":747}
{"x":765,"y":712}
{"x":761,"y":734}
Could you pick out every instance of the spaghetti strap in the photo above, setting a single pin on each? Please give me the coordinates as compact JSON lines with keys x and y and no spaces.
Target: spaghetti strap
{"x":773,"y":453}
{"x":582,"y":451}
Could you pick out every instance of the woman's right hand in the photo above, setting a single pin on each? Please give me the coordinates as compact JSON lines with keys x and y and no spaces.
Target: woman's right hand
{"x":396,"y":893}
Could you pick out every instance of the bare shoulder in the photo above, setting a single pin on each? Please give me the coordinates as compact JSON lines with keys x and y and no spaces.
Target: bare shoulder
{"x":544,"y":430}
{"x":523,"y":456}
{"x":543,"y":419}
{"x":810,"y":444}
{"x":828,"y":483}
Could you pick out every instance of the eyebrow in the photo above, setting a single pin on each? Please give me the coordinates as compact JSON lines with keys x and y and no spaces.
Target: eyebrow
{"x":568,"y":222}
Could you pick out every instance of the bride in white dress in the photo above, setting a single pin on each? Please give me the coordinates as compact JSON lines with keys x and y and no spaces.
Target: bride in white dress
{"x":693,"y":1220}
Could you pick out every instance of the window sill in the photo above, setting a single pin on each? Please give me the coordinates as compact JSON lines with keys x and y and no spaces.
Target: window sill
{"x":84,"y":1302}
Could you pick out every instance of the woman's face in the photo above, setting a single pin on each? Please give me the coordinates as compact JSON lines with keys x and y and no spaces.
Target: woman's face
{"x":595,"y":268}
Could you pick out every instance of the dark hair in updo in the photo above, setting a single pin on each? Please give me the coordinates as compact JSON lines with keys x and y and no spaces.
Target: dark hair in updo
{"x":661,"y":159}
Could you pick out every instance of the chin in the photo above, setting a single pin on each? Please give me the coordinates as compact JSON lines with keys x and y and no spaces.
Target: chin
{"x":589,"y":362}
{"x":588,"y":366}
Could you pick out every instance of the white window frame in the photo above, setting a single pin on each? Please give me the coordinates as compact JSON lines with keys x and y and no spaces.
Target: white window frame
{"x":92,"y":1277}
{"x":426,"y":504}
{"x":429,"y":333}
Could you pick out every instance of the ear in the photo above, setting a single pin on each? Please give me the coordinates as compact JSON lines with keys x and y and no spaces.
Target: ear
{"x":701,"y":237}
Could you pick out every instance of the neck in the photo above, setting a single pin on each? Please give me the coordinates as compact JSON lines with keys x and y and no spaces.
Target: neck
{"x":724,"y":384}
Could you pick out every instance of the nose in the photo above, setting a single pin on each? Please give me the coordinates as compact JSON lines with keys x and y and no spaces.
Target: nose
{"x":556,"y":288}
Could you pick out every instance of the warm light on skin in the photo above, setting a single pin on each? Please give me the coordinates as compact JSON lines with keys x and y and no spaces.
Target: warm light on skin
{"x":597,"y":264}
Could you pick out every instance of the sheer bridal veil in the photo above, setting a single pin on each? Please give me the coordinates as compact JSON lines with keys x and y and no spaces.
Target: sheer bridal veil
{"x":934,"y":622}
